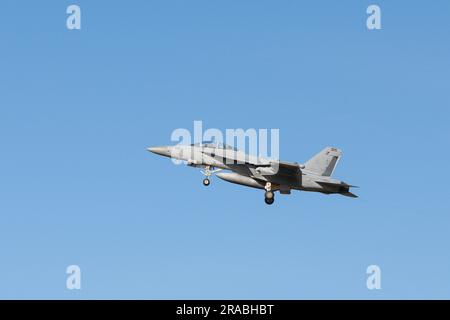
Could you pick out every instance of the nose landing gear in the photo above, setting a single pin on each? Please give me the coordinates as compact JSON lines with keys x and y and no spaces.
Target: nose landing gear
{"x":207,"y":173}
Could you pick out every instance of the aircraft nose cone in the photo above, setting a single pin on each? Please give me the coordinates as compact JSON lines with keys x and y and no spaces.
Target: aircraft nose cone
{"x":162,"y":151}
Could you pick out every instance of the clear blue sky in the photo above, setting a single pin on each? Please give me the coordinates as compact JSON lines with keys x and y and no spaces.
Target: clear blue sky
{"x":78,"y":109}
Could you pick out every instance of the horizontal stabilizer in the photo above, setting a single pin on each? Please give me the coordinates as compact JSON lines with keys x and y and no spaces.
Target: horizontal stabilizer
{"x":349,"y":194}
{"x":336,"y":184}
{"x":339,"y":187}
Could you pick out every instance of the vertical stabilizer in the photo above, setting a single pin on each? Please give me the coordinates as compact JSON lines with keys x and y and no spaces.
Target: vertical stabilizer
{"x":324,"y":162}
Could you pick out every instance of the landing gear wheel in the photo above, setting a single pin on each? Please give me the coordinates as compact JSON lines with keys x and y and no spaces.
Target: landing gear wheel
{"x":269,"y":197}
{"x":206,"y":182}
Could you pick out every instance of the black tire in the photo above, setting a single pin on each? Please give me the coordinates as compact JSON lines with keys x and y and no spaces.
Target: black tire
{"x":269,"y":201}
{"x":206,"y":182}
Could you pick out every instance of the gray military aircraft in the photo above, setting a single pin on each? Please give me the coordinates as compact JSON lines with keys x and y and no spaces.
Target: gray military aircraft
{"x":262,"y":173}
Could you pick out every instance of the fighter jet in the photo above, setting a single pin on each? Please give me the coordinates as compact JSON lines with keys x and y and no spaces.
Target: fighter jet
{"x":258,"y":172}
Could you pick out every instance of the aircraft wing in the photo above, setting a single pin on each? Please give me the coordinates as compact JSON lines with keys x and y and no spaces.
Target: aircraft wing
{"x":290,"y":168}
{"x":263,"y":169}
{"x":277,"y":172}
{"x":288,"y":173}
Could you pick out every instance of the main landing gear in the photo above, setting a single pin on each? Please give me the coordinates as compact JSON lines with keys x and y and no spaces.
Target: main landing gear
{"x":269,"y":196}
